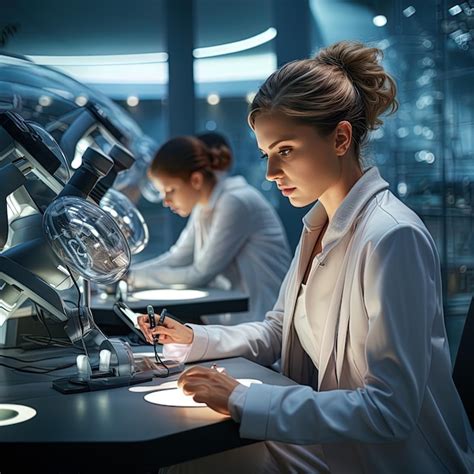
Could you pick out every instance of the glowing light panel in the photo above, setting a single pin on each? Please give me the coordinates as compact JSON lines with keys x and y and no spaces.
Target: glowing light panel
{"x":169,"y":294}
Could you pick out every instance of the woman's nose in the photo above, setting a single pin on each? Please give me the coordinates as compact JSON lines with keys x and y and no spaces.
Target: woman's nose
{"x":274,"y":170}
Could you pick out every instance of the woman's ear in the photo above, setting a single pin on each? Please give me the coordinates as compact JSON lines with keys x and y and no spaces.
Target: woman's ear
{"x":196,"y":179}
{"x":342,"y":137}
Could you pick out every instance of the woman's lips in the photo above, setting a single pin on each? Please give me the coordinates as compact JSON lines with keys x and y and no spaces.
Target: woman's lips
{"x":287,"y":191}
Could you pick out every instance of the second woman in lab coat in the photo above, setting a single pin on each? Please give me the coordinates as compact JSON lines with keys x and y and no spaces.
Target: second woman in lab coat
{"x":233,"y":238}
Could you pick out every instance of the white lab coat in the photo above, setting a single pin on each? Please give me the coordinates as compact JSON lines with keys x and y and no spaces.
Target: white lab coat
{"x":236,"y":241}
{"x":383,"y":400}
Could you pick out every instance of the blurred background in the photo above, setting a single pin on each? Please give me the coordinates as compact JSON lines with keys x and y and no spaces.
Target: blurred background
{"x":165,"y":68}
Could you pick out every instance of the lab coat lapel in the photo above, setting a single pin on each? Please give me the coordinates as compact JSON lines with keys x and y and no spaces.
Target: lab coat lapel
{"x":328,"y":340}
{"x":308,"y":240}
{"x":335,"y":330}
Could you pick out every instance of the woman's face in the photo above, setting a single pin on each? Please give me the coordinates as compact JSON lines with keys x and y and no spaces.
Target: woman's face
{"x":302,"y":163}
{"x":179,"y":195}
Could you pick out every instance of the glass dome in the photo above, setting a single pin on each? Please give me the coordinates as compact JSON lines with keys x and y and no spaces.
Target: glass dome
{"x":128,"y":218}
{"x":63,"y":172}
{"x":87,"y":239}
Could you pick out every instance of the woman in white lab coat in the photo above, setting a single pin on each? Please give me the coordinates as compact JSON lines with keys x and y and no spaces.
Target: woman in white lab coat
{"x":359,"y":319}
{"x":233,"y":238}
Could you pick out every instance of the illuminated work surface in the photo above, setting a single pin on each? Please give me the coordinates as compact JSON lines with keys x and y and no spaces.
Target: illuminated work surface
{"x":115,"y":426}
{"x":186,"y":304}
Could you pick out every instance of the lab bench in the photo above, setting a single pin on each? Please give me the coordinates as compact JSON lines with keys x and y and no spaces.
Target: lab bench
{"x":114,"y":428}
{"x":213,"y":301}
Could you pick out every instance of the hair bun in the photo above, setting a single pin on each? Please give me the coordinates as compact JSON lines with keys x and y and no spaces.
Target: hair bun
{"x":220,"y":158}
{"x":361,"y":64}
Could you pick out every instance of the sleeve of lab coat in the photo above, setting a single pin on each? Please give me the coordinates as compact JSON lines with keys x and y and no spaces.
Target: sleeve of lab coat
{"x":232,"y":224}
{"x":259,"y":341}
{"x":146,"y":274}
{"x":401,"y":287}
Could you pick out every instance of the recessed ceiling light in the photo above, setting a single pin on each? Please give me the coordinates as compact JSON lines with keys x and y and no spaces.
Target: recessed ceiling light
{"x":380,"y":20}
{"x":213,"y":99}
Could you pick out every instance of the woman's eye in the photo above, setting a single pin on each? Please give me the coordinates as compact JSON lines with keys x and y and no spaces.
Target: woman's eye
{"x":285,"y":152}
{"x":264,"y":156}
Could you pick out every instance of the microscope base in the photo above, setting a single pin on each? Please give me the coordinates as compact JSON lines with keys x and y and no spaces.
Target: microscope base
{"x":68,"y":385}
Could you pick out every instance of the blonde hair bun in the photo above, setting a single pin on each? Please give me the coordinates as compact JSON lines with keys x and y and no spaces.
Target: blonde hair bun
{"x":362,"y":66}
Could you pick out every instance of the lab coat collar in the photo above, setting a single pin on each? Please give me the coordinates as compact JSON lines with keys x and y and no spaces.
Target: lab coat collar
{"x":224,"y":183}
{"x":347,"y":213}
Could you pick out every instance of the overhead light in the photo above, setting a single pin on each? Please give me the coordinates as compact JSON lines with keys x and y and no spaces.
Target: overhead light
{"x":152,"y":68}
{"x":380,"y":20}
{"x":428,"y":44}
{"x":132,"y":100}
{"x":417,"y":130}
{"x":213,"y":99}
{"x":409,"y":11}
{"x":81,"y":100}
{"x":236,"y":46}
{"x":45,"y":100}
{"x":430,"y":158}
{"x":101,"y":60}
{"x":402,"y":189}
{"x":455,"y":10}
{"x":153,"y":58}
{"x":426,"y":156}
{"x":403,"y":132}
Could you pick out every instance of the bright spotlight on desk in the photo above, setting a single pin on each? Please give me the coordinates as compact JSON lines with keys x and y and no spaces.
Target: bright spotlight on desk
{"x":169,"y":294}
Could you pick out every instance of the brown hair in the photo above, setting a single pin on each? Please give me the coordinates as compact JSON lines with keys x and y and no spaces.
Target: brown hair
{"x":182,"y":156}
{"x":344,"y":81}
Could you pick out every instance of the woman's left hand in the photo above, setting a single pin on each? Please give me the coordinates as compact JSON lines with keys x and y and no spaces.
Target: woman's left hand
{"x":209,"y":386}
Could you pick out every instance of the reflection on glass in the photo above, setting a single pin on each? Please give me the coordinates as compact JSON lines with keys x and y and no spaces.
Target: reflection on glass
{"x":128,"y":218}
{"x":87,"y":239}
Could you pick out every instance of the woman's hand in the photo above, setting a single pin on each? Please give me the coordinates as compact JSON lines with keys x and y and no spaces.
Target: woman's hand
{"x":170,"y":332}
{"x":209,"y":386}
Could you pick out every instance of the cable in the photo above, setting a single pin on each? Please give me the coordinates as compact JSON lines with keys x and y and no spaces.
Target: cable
{"x":79,"y":309}
{"x":44,"y":341}
{"x":39,"y":370}
{"x":158,"y":359}
{"x":28,"y":361}
{"x":42,"y":319}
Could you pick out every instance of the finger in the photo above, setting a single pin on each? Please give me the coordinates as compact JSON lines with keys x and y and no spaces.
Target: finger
{"x":200,"y":398}
{"x":170,"y":323}
{"x":198,"y":370}
{"x":191,"y":388}
{"x":195,"y":381}
{"x":164,"y":339}
{"x":183,"y":378}
{"x":162,"y":330}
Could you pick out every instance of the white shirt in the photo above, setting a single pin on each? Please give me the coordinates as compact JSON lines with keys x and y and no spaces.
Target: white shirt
{"x":309,"y":333}
{"x":236,"y":241}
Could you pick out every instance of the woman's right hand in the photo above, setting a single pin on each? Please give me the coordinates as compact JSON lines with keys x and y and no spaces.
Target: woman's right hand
{"x":170,"y":332}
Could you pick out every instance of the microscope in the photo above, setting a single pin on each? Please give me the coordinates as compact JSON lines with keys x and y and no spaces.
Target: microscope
{"x":52,"y":232}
